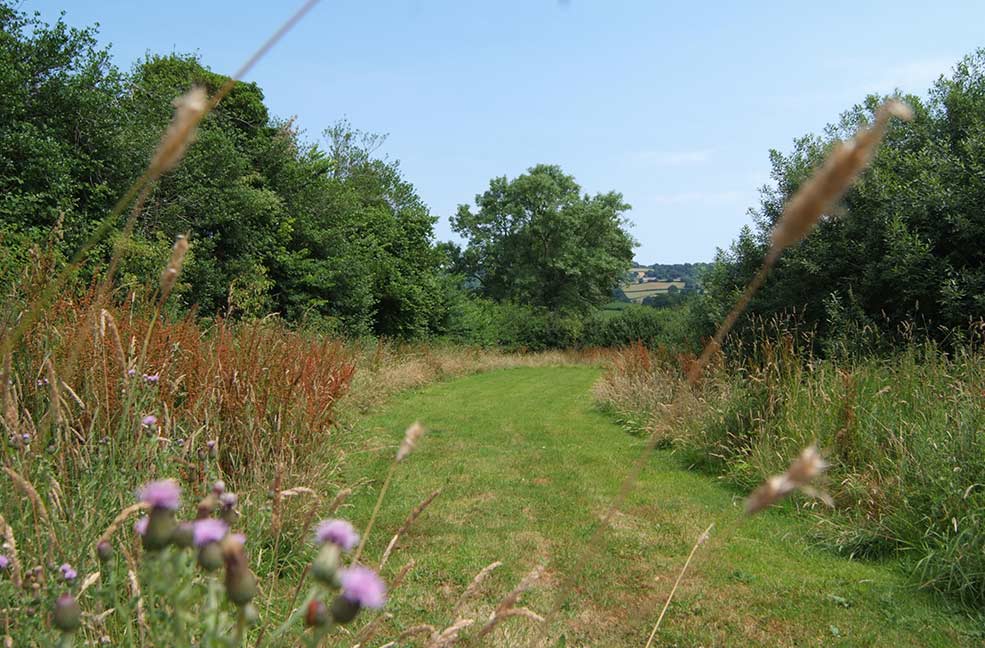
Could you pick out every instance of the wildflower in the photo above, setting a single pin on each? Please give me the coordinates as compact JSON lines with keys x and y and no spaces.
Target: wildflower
{"x":42,"y":382}
{"x":149,"y":421}
{"x":334,"y":536}
{"x":228,"y":503}
{"x":361,"y":587}
{"x":140,"y":526}
{"x":219,"y":487}
{"x":207,"y":534}
{"x":163,"y":494}
{"x":26,"y":438}
{"x":104,"y":551}
{"x":131,"y":372}
{"x":337,"y":532}
{"x":67,"y":616}
{"x":68,"y":573}
{"x":4,"y":562}
{"x":151,"y":378}
{"x":213,"y":448}
{"x":209,"y":530}
{"x":164,"y":497}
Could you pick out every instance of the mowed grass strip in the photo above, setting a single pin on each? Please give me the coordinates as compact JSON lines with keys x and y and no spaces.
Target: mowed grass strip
{"x":528,"y":465}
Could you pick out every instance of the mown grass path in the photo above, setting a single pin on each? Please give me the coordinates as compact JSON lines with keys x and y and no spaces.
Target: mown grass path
{"x":528,"y":465}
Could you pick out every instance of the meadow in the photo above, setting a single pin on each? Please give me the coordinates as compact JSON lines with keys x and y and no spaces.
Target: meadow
{"x":256,"y":444}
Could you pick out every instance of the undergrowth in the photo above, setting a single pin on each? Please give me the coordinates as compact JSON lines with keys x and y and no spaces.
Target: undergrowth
{"x":902,"y":434}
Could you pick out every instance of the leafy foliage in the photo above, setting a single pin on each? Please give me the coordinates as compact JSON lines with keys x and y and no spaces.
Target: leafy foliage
{"x":536,"y":240}
{"x":330,"y":235}
{"x":905,"y":247}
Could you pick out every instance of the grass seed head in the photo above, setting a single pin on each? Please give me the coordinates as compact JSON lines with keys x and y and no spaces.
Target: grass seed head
{"x":804,"y":469}
{"x":833,"y":179}
{"x":189,"y":110}
{"x":173,"y":269}
{"x":411,"y":436}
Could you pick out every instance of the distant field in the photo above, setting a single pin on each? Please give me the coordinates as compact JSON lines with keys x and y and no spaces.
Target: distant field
{"x":637,"y":292}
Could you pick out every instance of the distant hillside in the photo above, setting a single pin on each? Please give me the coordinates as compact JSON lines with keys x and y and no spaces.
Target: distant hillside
{"x":689,"y":273}
{"x":660,"y":284}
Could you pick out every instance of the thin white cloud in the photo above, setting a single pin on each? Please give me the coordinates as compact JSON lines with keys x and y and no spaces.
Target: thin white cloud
{"x":706,"y":198}
{"x":914,"y":76}
{"x":672,"y":158}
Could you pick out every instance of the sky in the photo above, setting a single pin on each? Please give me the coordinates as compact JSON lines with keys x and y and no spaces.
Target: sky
{"x":674,"y":104}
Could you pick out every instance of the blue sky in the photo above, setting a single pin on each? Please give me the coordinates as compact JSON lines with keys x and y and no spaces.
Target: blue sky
{"x":674,"y":104}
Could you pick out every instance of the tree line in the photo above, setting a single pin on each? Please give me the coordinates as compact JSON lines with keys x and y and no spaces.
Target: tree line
{"x":903,"y":254}
{"x":328,"y":234}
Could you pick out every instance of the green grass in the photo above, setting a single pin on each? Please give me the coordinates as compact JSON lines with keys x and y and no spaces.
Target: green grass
{"x":528,"y":464}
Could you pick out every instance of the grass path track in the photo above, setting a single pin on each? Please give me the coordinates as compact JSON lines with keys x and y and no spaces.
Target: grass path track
{"x":528,"y":465}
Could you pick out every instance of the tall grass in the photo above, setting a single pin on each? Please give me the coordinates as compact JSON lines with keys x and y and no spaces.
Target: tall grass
{"x":902,"y":434}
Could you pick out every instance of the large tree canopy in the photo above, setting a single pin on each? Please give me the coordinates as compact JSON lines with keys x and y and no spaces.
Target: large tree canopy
{"x":537,"y":240}
{"x":905,"y":248}
{"x":328,"y":234}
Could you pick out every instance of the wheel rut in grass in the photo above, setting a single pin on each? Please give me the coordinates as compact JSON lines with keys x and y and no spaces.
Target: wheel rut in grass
{"x":528,"y":466}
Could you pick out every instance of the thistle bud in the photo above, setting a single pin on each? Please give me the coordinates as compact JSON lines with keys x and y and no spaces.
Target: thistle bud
{"x":160,"y":527}
{"x":104,"y":551}
{"x":326,"y":564}
{"x":210,"y":556}
{"x":184,"y":535}
{"x":344,"y":610}
{"x":241,"y":584}
{"x":316,"y":615}
{"x":207,"y":506}
{"x":67,"y":616}
{"x":251,"y":614}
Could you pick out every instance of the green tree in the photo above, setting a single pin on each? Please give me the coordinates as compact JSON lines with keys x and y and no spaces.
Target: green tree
{"x":904,"y":247}
{"x":60,"y":127}
{"x":537,"y":240}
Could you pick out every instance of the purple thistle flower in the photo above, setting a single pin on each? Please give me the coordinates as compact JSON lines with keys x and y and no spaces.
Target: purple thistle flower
{"x":361,"y":585}
{"x":152,"y":378}
{"x":209,"y":530}
{"x":149,"y":421}
{"x":68,"y":573}
{"x":140,"y":526}
{"x":338,"y":532}
{"x":165,"y":494}
{"x":210,"y":443}
{"x":219,"y":487}
{"x":4,"y":562}
{"x":131,"y":372}
{"x":228,"y":500}
{"x":26,"y":438}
